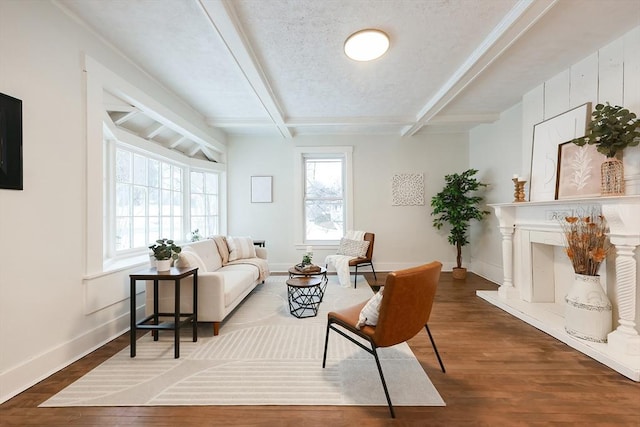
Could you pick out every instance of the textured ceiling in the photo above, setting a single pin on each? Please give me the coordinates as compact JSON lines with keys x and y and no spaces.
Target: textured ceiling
{"x":276,"y":67}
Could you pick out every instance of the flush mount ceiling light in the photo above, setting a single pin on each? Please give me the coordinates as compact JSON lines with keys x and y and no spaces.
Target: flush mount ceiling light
{"x":366,"y":45}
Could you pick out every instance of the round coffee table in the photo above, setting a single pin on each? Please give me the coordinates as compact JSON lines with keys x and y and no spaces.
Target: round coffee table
{"x":294,"y":272}
{"x":305,"y":296}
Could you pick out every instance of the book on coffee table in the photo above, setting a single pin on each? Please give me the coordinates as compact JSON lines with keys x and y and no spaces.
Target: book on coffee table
{"x":311,"y":268}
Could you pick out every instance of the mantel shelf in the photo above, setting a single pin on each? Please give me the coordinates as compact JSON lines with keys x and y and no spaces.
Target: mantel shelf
{"x":584,"y":201}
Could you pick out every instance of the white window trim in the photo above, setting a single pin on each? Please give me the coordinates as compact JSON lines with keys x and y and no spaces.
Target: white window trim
{"x":298,"y":190}
{"x":98,"y":80}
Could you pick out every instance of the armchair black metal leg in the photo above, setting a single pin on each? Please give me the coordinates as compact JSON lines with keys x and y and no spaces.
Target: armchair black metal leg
{"x":326,"y":343}
{"x":374,"y":273}
{"x":384,"y":384}
{"x":355,"y":277}
{"x":435,"y":349}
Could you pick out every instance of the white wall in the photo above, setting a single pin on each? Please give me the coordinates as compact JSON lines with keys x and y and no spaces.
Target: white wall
{"x":496,"y":153}
{"x":48,"y":315}
{"x":612,"y":74}
{"x":404,"y":234}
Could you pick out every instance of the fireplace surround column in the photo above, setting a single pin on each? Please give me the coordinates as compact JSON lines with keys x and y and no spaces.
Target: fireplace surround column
{"x":624,"y":234}
{"x":506,"y":218}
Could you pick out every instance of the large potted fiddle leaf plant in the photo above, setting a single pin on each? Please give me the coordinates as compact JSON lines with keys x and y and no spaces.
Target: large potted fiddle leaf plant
{"x":456,"y":206}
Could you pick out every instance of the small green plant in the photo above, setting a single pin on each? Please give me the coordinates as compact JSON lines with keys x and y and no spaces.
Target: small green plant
{"x":195,"y":235}
{"x":165,"y":249}
{"x":611,"y":130}
{"x":306,"y":259}
{"x":456,"y":207}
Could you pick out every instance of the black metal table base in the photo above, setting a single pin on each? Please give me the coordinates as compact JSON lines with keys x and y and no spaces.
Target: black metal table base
{"x":322,"y":275}
{"x":304,"y":295}
{"x":153,"y":321}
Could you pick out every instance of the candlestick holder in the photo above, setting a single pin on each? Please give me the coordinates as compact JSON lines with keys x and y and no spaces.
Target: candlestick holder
{"x":518,"y":192}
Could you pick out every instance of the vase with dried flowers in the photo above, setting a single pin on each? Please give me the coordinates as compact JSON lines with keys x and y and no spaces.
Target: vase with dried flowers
{"x":588,"y":311}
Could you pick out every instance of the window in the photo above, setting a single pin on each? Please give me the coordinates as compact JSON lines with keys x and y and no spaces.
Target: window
{"x":324,"y":191}
{"x":148,"y":200}
{"x":323,"y":198}
{"x":154,"y":197}
{"x":204,"y":203}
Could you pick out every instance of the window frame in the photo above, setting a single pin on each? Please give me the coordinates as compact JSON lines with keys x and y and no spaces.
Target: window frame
{"x":219,"y":192}
{"x":110,"y":250}
{"x":100,"y":80}
{"x":300,"y":155}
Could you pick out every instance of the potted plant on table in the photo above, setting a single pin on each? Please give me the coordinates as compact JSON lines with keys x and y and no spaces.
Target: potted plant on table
{"x":588,"y":311}
{"x":457,"y":207}
{"x":611,"y":130}
{"x":164,"y":251}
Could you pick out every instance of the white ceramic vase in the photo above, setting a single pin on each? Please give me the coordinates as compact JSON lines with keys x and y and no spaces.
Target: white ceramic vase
{"x":163,"y":264}
{"x":588,"y":311}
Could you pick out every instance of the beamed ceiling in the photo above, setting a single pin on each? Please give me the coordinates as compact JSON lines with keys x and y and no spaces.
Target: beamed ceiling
{"x":277,"y":67}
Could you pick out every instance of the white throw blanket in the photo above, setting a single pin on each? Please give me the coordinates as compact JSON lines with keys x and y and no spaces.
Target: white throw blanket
{"x":341,"y":262}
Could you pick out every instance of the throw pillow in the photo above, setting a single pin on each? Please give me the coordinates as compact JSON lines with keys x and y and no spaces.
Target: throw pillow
{"x":370,"y":311}
{"x":357,"y":248}
{"x":223,"y":248}
{"x":240,"y":248}
{"x":186,"y":258}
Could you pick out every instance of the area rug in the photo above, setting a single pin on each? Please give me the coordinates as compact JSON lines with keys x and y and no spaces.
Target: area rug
{"x":262,"y":356}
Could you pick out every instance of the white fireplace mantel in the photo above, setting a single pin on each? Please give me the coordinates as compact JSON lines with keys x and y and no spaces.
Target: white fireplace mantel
{"x":537,"y":273}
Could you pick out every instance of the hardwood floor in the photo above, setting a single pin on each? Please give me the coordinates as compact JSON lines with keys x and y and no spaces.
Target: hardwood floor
{"x":500,"y":371}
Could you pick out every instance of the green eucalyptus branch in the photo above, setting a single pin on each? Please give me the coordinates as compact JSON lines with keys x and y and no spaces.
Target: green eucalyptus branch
{"x":611,"y":130}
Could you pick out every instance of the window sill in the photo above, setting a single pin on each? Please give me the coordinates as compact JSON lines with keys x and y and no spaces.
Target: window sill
{"x":115,"y":265}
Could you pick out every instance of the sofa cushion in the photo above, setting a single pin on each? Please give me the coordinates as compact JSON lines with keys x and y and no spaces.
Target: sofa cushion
{"x":208,"y":253}
{"x":240,"y":248}
{"x":357,"y":248}
{"x":237,"y":279}
{"x":188,"y":258}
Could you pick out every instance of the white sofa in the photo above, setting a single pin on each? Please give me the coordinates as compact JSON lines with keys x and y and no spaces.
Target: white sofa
{"x":222,"y":284}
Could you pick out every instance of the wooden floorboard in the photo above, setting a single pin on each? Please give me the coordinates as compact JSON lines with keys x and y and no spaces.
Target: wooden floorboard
{"x":500,"y":371}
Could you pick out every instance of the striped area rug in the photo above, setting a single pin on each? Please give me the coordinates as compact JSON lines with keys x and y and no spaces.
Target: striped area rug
{"x":263,"y":356}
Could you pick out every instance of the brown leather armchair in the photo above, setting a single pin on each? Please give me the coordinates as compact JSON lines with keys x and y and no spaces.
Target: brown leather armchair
{"x":404,"y":311}
{"x":367,"y":260}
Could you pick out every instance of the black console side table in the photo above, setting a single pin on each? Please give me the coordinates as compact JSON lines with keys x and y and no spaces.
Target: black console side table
{"x":152,"y":322}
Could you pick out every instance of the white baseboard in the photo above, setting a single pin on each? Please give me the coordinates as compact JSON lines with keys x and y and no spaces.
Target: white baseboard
{"x":388,"y":266}
{"x":19,"y":378}
{"x":493,"y":273}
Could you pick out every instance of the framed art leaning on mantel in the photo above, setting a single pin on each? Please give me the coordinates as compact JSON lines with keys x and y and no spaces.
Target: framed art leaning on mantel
{"x":547,"y":137}
{"x":10,"y":142}
{"x":578,"y":171}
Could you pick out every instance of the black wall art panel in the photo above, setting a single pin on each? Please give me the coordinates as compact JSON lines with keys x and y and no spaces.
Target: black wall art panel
{"x":10,"y":142}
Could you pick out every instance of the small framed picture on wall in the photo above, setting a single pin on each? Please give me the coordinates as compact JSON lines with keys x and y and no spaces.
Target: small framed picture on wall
{"x":261,"y":189}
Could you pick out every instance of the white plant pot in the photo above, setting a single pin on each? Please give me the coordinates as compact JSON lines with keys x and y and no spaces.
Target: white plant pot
{"x":163,"y":264}
{"x":588,"y":311}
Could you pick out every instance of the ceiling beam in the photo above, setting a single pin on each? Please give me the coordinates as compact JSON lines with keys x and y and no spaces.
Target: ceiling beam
{"x":513,"y":26}
{"x":126,"y":117}
{"x":153,"y":130}
{"x":209,"y":154}
{"x":194,"y":151}
{"x":177,"y":141}
{"x":223,"y":19}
